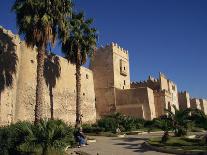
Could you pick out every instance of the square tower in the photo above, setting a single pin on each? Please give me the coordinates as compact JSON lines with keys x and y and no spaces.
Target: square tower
{"x":110,"y":66}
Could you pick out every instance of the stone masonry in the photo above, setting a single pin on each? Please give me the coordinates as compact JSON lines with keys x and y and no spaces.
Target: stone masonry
{"x":18,"y":100}
{"x":106,"y":86}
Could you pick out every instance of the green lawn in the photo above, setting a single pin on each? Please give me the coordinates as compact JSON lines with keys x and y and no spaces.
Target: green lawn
{"x":180,"y":143}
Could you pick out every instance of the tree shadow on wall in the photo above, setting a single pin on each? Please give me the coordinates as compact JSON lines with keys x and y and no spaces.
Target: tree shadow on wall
{"x":8,"y":62}
{"x":52,"y":71}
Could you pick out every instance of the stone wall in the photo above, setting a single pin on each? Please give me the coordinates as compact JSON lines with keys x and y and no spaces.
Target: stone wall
{"x":17,"y":103}
{"x":121,"y":67}
{"x":203,"y":104}
{"x":110,"y":68}
{"x":159,"y":101}
{"x":136,"y":100}
{"x":184,"y":100}
{"x":170,"y":91}
{"x":195,"y":103}
{"x":151,"y":82}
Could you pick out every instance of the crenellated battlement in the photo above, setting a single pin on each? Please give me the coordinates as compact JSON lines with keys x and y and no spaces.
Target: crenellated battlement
{"x":183,"y":92}
{"x":151,"y":82}
{"x":116,"y":46}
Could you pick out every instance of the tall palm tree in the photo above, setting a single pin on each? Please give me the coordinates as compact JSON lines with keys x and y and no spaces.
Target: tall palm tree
{"x":180,"y":120}
{"x":40,"y":22}
{"x":80,"y":44}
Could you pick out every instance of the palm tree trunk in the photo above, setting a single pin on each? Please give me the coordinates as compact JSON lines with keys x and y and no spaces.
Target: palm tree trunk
{"x":78,"y":91}
{"x":0,"y":107}
{"x":40,"y":84}
{"x":51,"y":103}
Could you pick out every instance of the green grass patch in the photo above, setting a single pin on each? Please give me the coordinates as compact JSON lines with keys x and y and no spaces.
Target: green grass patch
{"x":180,"y":143}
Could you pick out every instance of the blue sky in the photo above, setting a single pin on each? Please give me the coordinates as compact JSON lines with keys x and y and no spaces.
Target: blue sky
{"x":168,"y":36}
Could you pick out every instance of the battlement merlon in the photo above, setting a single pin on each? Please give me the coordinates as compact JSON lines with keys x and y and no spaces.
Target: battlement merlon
{"x":115,"y":45}
{"x":116,"y":49}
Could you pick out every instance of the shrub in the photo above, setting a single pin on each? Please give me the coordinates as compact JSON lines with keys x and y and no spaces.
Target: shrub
{"x":87,"y":128}
{"x":199,"y":118}
{"x":27,"y":138}
{"x":108,"y":123}
{"x":117,"y":120}
{"x":12,"y":136}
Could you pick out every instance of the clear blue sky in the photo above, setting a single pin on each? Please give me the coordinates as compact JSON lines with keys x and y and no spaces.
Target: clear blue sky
{"x":168,"y":36}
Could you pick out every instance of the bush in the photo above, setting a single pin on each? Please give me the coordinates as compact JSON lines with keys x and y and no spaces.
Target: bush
{"x":12,"y":136}
{"x":28,"y":138}
{"x":117,"y":120}
{"x":87,"y":128}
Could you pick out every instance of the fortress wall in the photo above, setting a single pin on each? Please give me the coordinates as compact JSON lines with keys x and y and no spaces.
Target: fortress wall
{"x":102,"y":67}
{"x":19,"y":101}
{"x":9,"y":68}
{"x":159,"y":100}
{"x":170,"y":90}
{"x":174,"y":94}
{"x":136,"y":102}
{"x":106,"y":66}
{"x":105,"y":101}
{"x":184,"y":100}
{"x":203,"y":104}
{"x":164,"y":82}
{"x":152,"y":112}
{"x":152,"y":83}
{"x":195,"y":103}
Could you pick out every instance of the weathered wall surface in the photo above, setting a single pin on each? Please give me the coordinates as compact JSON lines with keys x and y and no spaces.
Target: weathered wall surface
{"x":170,"y":90}
{"x":19,"y":101}
{"x":159,"y":100}
{"x":203,"y":104}
{"x":105,"y":101}
{"x":195,"y":103}
{"x":102,"y":67}
{"x":121,"y":67}
{"x":151,"y":82}
{"x":136,"y":99}
{"x":184,"y":100}
{"x":9,"y":68}
{"x":107,"y":66}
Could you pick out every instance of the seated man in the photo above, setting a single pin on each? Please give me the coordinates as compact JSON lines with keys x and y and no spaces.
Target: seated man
{"x":80,"y":137}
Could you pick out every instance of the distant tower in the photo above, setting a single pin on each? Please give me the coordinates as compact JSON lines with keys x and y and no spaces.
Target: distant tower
{"x":110,"y":67}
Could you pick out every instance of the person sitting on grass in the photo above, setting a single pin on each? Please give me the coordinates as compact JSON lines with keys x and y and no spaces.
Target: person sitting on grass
{"x":80,"y":137}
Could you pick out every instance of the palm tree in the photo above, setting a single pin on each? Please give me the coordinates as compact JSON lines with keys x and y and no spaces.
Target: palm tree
{"x":165,"y":124}
{"x":180,"y":120}
{"x":80,"y":44}
{"x":40,"y":22}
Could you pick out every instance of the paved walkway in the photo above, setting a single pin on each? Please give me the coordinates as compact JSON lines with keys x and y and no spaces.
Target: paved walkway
{"x":130,"y":145}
